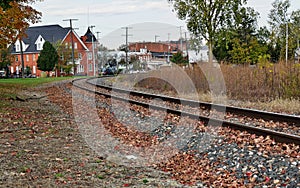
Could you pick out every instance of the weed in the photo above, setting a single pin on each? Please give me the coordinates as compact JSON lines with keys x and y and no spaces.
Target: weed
{"x":145,"y":181}
{"x":59,"y":175}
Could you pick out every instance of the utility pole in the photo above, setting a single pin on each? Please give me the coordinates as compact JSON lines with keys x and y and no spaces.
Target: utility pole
{"x":22,"y":58}
{"x":186,"y":47}
{"x":97,"y":49}
{"x":180,"y":30}
{"x":126,"y":49}
{"x":298,"y":50}
{"x":98,"y":32}
{"x":168,"y":59}
{"x":287,"y":43}
{"x":156,"y":36}
{"x":93,"y":51}
{"x":72,"y":43}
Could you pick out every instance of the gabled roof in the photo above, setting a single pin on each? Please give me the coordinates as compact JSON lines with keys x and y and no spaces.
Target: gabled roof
{"x":79,"y":38}
{"x":51,"y":33}
{"x":89,"y":36}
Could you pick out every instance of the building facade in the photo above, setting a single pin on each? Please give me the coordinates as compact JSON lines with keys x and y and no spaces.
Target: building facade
{"x":30,"y":47}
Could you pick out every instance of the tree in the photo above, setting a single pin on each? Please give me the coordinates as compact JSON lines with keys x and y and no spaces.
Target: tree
{"x":284,"y":24}
{"x":205,"y":17}
{"x":27,"y":71}
{"x":102,"y":55}
{"x":15,"y":18}
{"x":5,"y":60}
{"x":238,"y":41}
{"x":179,"y":59}
{"x":64,"y":57}
{"x":48,"y":57}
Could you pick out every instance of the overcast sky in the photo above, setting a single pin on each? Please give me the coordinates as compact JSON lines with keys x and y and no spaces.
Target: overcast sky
{"x":146,"y":18}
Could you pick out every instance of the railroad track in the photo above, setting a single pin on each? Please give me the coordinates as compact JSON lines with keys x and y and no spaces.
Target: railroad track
{"x":252,"y":121}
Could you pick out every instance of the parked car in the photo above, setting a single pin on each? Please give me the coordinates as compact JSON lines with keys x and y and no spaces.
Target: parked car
{"x":109,"y":71}
{"x":2,"y":74}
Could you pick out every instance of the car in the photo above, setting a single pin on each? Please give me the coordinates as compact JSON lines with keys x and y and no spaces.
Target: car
{"x":2,"y":74}
{"x":108,"y":71}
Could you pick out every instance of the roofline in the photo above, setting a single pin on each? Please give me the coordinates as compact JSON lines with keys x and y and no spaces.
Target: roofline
{"x":19,"y":53}
{"x":86,"y":48}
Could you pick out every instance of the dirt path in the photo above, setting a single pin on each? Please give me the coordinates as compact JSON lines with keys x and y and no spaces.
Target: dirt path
{"x":41,"y":146}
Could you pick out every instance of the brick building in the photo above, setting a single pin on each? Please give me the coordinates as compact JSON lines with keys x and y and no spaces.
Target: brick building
{"x":158,"y":50}
{"x":32,"y":45}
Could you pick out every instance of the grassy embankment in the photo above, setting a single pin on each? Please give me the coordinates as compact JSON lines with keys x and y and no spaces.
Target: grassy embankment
{"x":9,"y":88}
{"x":272,"y":87}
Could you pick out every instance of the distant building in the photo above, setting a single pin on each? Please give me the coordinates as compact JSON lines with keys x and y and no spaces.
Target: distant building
{"x":199,"y":56}
{"x":157,"y":49}
{"x":33,"y":43}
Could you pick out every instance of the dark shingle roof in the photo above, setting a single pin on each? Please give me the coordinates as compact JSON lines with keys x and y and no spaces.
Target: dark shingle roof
{"x":51,"y":33}
{"x":89,"y":36}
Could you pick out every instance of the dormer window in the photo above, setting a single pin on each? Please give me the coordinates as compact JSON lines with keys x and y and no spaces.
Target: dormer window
{"x":18,"y":48}
{"x":39,"y":43}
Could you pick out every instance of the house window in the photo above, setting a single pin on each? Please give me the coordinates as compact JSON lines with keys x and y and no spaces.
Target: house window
{"x":90,"y":56}
{"x":80,"y":69}
{"x":34,"y":69}
{"x":66,"y":45}
{"x":33,"y":57}
{"x":75,"y":45}
{"x":90,"y":67}
{"x":27,"y":57}
{"x":18,"y":48}
{"x":17,"y":58}
{"x":80,"y":56}
{"x":39,"y":46}
{"x":12,"y":69}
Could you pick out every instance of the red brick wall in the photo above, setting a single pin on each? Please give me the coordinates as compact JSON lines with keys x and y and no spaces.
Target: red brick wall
{"x":151,"y":46}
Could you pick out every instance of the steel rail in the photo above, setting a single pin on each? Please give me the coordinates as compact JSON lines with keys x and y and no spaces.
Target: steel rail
{"x":277,"y":136}
{"x":218,"y":107}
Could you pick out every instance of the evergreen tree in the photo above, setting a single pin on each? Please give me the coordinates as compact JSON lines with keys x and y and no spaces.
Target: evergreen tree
{"x":179,"y":59}
{"x":48,"y":57}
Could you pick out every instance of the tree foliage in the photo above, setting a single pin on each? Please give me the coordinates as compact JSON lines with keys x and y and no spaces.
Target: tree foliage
{"x":65,"y":57}
{"x":48,"y":57}
{"x":179,"y":59}
{"x":15,"y":18}
{"x":205,"y":17}
{"x":5,"y":58}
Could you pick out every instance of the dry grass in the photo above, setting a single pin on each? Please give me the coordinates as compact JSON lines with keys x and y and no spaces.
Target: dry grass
{"x":272,"y":87}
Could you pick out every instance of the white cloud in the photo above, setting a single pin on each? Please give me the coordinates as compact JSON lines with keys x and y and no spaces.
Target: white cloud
{"x":116,"y":7}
